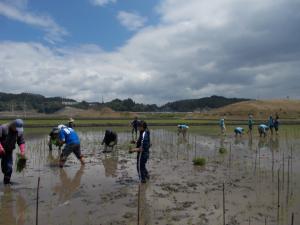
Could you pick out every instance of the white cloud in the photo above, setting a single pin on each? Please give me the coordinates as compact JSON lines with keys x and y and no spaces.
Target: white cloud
{"x":248,"y":49}
{"x":102,"y":2}
{"x":17,"y":11}
{"x":132,"y":21}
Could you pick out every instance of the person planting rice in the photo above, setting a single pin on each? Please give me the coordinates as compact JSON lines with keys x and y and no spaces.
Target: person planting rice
{"x":10,"y":134}
{"x":238,"y":131}
{"x":182,"y":129}
{"x":271,"y":124}
{"x":110,"y":140}
{"x":71,"y":123}
{"x":68,"y":136}
{"x":222,"y":125}
{"x":134,"y":125}
{"x":276,"y":124}
{"x":263,"y":129}
{"x":250,"y":124}
{"x":53,"y":138}
{"x":142,"y":149}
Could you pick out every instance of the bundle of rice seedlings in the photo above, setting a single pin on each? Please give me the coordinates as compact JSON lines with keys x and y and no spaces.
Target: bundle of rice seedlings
{"x":20,"y":162}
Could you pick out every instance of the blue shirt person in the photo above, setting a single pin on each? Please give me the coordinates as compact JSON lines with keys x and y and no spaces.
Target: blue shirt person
{"x":68,"y":136}
{"x":182,"y":129}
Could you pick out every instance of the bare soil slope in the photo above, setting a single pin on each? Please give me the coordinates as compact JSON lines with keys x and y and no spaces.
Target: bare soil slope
{"x":262,"y":108}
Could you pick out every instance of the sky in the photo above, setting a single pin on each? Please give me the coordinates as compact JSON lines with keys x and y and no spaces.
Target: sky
{"x":152,"y":51}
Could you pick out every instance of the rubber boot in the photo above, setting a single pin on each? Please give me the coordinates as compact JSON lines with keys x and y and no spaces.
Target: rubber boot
{"x":6,"y":180}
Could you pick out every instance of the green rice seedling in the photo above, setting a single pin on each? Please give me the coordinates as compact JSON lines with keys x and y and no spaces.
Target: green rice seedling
{"x":199,"y":161}
{"x":222,"y":150}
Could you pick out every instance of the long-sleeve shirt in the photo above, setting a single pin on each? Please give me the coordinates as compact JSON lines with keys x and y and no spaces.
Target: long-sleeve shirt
{"x":9,"y":138}
{"x":144,"y":141}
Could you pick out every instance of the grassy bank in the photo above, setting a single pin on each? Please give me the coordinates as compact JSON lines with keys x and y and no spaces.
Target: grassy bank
{"x":125,"y":122}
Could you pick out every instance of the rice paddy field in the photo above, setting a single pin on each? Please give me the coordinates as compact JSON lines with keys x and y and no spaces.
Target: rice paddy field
{"x":252,"y":180}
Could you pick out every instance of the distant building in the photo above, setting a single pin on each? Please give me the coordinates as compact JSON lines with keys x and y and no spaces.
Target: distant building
{"x":69,"y":103}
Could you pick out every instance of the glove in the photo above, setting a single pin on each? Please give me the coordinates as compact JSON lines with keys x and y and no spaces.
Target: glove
{"x":22,"y":149}
{"x":2,"y":152}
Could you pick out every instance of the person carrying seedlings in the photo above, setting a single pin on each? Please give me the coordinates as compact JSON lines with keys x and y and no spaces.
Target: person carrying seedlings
{"x":54,"y":139}
{"x":182,"y":129}
{"x":238,"y":131}
{"x":71,"y":123}
{"x":250,"y":124}
{"x":222,"y":125}
{"x":68,"y":136}
{"x":263,"y":130}
{"x":134,"y":125}
{"x":110,"y":140}
{"x":10,"y":134}
{"x":271,"y":124}
{"x":142,"y":149}
{"x":276,"y":124}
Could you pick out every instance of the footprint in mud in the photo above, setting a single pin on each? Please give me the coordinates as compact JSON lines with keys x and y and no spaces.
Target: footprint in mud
{"x":203,"y":220}
{"x":181,"y":206}
{"x":129,"y":215}
{"x":127,"y":181}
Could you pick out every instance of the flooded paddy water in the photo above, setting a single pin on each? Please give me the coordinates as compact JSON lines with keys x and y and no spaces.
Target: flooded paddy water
{"x":105,"y":190}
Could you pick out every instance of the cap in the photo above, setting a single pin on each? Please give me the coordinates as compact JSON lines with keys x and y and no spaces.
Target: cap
{"x":19,"y":125}
{"x":71,"y":120}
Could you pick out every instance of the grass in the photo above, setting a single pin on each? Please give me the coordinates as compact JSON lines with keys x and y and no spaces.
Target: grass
{"x":199,"y":161}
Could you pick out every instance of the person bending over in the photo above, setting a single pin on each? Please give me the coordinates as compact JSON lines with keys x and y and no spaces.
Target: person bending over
{"x":110,"y":140}
{"x":10,"y":134}
{"x":69,"y":137}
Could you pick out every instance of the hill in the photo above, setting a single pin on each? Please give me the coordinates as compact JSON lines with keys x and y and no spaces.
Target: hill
{"x":40,"y":104}
{"x":262,"y":108}
{"x":200,"y":104}
{"x":29,"y":102}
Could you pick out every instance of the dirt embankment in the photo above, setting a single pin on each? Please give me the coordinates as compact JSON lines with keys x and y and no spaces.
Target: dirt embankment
{"x":261,"y":109}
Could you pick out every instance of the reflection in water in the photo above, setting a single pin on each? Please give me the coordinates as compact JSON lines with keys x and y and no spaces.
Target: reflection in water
{"x":250,"y":142}
{"x":53,"y":161}
{"x":68,"y":186}
{"x":263,"y":142}
{"x":274,"y":143}
{"x":181,"y":140}
{"x":8,"y":215}
{"x":238,"y":140}
{"x":110,"y":164}
{"x":144,"y":205}
{"x":222,"y":141}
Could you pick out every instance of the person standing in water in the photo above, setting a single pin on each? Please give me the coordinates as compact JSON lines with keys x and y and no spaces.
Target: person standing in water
{"x":250,"y":124}
{"x":134,"y":125}
{"x":10,"y":134}
{"x":271,"y":124}
{"x":222,"y":125}
{"x":142,"y":149}
{"x":276,"y":124}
